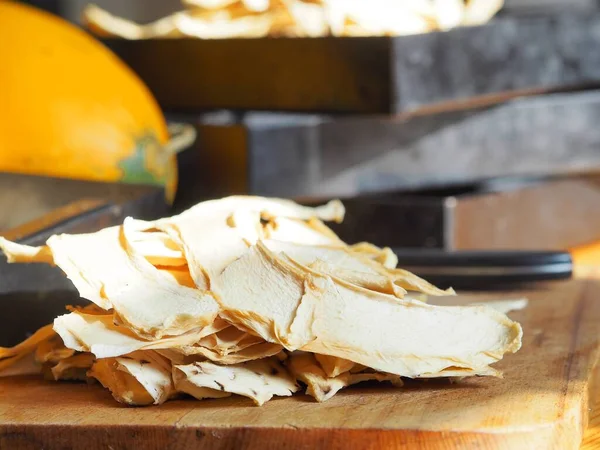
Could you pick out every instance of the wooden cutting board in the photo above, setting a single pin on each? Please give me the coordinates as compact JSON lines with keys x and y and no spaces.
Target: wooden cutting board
{"x":542,"y":402}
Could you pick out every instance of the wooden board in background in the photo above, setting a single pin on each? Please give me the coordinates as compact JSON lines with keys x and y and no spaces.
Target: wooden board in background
{"x":388,"y":75}
{"x":541,"y":403}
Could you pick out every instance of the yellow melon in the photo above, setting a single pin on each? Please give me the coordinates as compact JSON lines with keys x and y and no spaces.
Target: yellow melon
{"x":71,"y":108}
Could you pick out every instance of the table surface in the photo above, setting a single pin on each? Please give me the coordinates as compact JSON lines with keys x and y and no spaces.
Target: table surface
{"x":522,"y":410}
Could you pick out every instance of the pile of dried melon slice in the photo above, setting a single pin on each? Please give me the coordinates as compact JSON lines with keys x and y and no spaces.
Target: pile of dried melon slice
{"x":249,"y":296}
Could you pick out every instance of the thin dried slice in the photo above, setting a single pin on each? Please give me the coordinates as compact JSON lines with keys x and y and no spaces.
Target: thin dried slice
{"x":229,"y":340}
{"x":385,"y":256}
{"x":105,"y":24}
{"x":302,"y":309}
{"x":74,"y":367}
{"x":338,"y":257}
{"x":218,"y":244}
{"x":411,"y":282}
{"x":124,"y":387}
{"x":29,"y":344}
{"x":105,"y":273}
{"x":268,"y":207}
{"x":334,"y":366}
{"x":413,"y":338}
{"x":297,"y":231}
{"x":19,"y":253}
{"x":257,"y":351}
{"x":154,"y":378}
{"x":52,"y":350}
{"x":309,"y":19}
{"x":178,"y":358}
{"x":358,"y":368}
{"x":259,"y":292}
{"x":88,"y":309}
{"x":99,"y":335}
{"x":374,"y":282}
{"x":182,"y":384}
{"x":355,"y":378}
{"x":210,"y":4}
{"x":304,"y":368}
{"x":222,"y":25}
{"x":21,"y":364}
{"x":259,"y":380}
{"x":110,"y":273}
{"x":505,"y":306}
{"x":181,"y":275}
{"x":340,"y":262}
{"x":460,"y":372}
{"x":228,"y":227}
{"x":157,"y":247}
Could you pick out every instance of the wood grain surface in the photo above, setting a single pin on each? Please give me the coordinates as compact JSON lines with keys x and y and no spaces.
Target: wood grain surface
{"x":541,"y":403}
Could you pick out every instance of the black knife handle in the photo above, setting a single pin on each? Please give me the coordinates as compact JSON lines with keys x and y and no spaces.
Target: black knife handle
{"x":481,"y":269}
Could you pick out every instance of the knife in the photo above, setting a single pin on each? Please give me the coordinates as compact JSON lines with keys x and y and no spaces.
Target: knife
{"x":485,"y":269}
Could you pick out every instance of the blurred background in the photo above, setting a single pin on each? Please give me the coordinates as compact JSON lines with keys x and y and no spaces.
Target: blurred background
{"x":454,"y":124}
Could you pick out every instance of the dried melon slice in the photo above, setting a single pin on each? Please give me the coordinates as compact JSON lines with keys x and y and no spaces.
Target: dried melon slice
{"x":217,"y":245}
{"x":332,"y":211}
{"x":154,"y":378}
{"x":334,"y":366}
{"x":29,"y":344}
{"x":157,"y":247}
{"x":256,"y":351}
{"x":374,"y":282}
{"x":19,"y":253}
{"x":124,"y":387}
{"x":259,"y":380}
{"x":22,"y":364}
{"x":297,"y":231}
{"x":338,"y":257}
{"x":505,"y":306}
{"x":182,"y":384}
{"x":412,"y":338}
{"x":259,"y":292}
{"x":385,"y":256}
{"x":74,"y":367}
{"x":305,"y":368}
{"x":52,"y":350}
{"x":110,"y":273}
{"x":99,"y":335}
{"x":228,"y":226}
{"x":325,"y":315}
{"x":412,"y":282}
{"x":151,"y":303}
{"x":136,"y":379}
{"x":355,"y":268}
{"x":229,"y":340}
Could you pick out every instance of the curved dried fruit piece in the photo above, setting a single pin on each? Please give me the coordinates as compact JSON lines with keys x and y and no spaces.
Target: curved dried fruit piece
{"x":287,"y":303}
{"x":29,"y":344}
{"x":259,"y":380}
{"x":123,"y":386}
{"x":74,"y":367}
{"x":99,"y":335}
{"x":19,"y":253}
{"x":254,"y":352}
{"x":334,"y":366}
{"x":285,"y":229}
{"x":385,"y":256}
{"x":318,"y":385}
{"x":152,"y":303}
